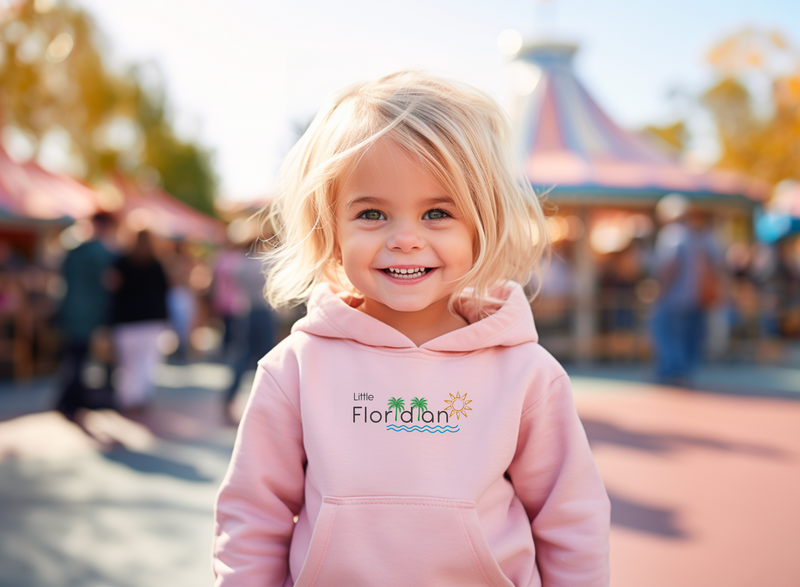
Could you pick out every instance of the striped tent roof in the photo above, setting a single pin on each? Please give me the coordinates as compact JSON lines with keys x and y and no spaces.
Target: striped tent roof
{"x":571,"y":145}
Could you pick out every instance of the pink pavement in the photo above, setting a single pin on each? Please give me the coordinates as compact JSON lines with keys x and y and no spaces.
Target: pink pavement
{"x":705,"y":487}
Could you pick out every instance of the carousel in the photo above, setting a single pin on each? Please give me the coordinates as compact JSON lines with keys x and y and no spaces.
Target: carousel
{"x":601,"y":185}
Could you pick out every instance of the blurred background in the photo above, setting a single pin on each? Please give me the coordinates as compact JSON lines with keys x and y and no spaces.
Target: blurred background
{"x":138,"y":139}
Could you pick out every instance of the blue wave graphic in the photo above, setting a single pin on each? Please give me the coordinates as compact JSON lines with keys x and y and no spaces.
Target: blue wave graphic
{"x":431,"y":429}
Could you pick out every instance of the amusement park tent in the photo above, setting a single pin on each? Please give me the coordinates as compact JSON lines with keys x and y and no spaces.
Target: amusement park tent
{"x":165,"y":215}
{"x":573,"y":147}
{"x":590,"y":166}
{"x":30,"y":195}
{"x":33,"y":199}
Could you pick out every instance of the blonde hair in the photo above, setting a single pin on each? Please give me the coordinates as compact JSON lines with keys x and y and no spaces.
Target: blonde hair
{"x":461,"y":137}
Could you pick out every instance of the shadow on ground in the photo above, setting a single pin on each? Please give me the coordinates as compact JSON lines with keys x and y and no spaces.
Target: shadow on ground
{"x":79,"y":523}
{"x":600,"y":432}
{"x":639,"y":516}
{"x":645,"y":518}
{"x":152,"y":464}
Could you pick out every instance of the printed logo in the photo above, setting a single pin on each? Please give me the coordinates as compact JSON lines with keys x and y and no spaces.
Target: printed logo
{"x":417,"y":418}
{"x":458,"y":405}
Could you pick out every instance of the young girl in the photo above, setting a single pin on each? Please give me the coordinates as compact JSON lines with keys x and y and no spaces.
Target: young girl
{"x":410,"y":431}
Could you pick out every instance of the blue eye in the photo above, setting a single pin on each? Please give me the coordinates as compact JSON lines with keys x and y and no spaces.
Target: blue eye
{"x":436,"y":214}
{"x":372,"y":215}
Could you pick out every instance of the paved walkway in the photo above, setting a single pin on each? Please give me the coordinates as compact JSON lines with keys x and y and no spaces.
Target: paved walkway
{"x":121,"y":503}
{"x":705,"y":486}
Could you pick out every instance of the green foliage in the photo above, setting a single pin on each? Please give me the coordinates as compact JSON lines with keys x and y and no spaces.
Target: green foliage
{"x":53,"y":80}
{"x":398,"y":404}
{"x":421,"y":404}
{"x":185,"y":169}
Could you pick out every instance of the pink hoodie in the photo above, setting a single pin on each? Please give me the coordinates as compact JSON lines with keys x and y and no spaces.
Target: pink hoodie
{"x":457,"y":463}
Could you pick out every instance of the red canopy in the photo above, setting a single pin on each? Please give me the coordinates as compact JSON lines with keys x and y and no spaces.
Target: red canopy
{"x":29,"y":192}
{"x":154,"y":209}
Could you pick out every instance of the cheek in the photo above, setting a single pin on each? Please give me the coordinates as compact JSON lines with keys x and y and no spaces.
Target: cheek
{"x":462,"y":250}
{"x":356,"y":254}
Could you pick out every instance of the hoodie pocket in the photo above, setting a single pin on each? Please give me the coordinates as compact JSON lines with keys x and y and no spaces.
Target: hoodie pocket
{"x":387,"y":541}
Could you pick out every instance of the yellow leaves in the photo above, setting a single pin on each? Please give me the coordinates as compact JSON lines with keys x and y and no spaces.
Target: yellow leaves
{"x":749,"y":50}
{"x":793,"y":84}
{"x":786,"y":94}
{"x":778,"y":40}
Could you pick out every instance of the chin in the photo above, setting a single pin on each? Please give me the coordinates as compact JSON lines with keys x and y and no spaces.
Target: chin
{"x":407,"y":306}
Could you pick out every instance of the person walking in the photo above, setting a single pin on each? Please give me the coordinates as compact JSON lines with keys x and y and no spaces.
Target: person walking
{"x":228,"y":299}
{"x":139,"y":316}
{"x":684,"y":264}
{"x":182,"y":304}
{"x":84,"y":309}
{"x":255,"y":333}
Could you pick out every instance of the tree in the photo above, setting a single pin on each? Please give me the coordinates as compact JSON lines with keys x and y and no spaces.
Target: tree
{"x":421,"y":404}
{"x":55,"y":87}
{"x":673,"y":134}
{"x":758,"y":135}
{"x":398,"y":404}
{"x":763,"y":145}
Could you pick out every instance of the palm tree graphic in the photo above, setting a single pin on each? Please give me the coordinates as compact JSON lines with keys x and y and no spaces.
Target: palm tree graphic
{"x":398,"y":404}
{"x":421,"y":404}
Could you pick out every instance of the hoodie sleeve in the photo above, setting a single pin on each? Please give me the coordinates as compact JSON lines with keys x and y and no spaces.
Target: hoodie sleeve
{"x":262,"y":491}
{"x":555,"y":476}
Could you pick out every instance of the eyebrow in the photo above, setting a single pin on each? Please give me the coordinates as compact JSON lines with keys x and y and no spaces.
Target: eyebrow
{"x":380,"y":201}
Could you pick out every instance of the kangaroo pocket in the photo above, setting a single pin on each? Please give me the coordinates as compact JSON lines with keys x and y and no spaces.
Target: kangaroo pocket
{"x":388,"y":541}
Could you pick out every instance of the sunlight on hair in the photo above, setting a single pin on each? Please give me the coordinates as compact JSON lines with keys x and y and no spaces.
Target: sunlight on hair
{"x":534,"y":232}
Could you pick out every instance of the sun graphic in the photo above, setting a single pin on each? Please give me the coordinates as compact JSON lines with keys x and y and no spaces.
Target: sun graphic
{"x":458,"y":405}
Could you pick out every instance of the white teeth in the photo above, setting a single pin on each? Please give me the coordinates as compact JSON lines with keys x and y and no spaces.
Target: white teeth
{"x":407,"y":273}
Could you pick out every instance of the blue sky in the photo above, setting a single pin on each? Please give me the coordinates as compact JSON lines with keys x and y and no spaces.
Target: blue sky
{"x":240,"y":73}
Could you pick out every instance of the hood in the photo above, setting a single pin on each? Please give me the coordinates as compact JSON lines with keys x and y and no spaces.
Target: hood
{"x":509,"y":323}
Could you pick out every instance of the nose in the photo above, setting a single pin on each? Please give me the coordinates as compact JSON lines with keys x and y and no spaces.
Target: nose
{"x":404,"y":237}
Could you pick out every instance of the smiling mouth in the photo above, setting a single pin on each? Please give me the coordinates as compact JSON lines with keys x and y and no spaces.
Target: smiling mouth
{"x":412,"y":273}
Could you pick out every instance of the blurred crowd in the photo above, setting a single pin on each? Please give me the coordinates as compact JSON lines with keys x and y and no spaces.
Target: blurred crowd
{"x":105,"y":312}
{"x":111,"y":307}
{"x":678,"y":295}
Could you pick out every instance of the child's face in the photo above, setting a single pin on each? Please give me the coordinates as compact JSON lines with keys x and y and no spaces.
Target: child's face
{"x":402,"y":241}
